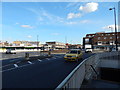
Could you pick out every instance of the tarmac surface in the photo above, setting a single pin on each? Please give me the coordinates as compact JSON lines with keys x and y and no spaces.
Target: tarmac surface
{"x":39,"y":73}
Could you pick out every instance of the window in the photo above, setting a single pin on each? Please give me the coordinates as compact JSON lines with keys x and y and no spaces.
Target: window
{"x":89,"y":36}
{"x":86,"y":40}
{"x":111,"y":37}
{"x":100,"y":43}
{"x":104,"y":37}
{"x":104,"y":42}
{"x":98,"y":38}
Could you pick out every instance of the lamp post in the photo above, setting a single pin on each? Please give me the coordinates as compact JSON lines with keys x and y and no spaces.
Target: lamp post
{"x":112,"y":32}
{"x":37,"y":43}
{"x":115,"y":27}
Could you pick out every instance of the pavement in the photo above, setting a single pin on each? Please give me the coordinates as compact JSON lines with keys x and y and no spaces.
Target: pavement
{"x":39,"y":73}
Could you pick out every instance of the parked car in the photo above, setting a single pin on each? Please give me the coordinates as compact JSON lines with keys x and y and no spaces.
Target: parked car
{"x":73,"y":55}
{"x":10,"y":51}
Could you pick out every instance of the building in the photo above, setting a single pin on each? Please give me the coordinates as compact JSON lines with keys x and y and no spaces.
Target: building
{"x":55,"y":45}
{"x":73,"y":46}
{"x":26,"y":43}
{"x":101,"y":41}
{"x":6,"y":43}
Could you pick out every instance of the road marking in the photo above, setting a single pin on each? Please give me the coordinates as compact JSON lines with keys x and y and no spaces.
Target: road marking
{"x":8,"y":69}
{"x":47,"y":58}
{"x":5,"y":65}
{"x":13,"y":60}
{"x":54,"y":57}
{"x":29,"y":62}
{"x":14,"y":68}
{"x":15,"y":65}
{"x":39,"y":60}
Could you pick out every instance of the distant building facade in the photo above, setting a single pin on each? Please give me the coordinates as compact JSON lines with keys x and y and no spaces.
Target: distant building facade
{"x":26,"y":43}
{"x":6,"y":43}
{"x":73,"y":46}
{"x":101,"y":41}
{"x":55,"y":45}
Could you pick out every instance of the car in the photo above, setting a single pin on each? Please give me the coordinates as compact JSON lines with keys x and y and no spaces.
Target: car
{"x":73,"y":55}
{"x":10,"y":51}
{"x":88,"y":50}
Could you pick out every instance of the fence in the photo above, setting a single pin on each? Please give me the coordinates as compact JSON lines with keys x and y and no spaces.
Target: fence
{"x":84,"y":71}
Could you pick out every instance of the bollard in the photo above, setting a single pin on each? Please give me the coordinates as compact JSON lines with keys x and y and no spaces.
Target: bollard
{"x":40,"y":53}
{"x":26,"y":56}
{"x":49,"y":53}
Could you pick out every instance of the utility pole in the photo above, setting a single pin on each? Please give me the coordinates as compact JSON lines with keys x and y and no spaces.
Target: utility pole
{"x":112,"y":37}
{"x":37,"y":42}
{"x":66,"y":41}
{"x":115,"y":27}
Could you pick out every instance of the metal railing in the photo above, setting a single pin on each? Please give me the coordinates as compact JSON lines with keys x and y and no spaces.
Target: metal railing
{"x":84,"y":71}
{"x":81,"y":72}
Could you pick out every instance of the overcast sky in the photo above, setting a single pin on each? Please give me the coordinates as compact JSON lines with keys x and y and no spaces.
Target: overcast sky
{"x":55,"y":21}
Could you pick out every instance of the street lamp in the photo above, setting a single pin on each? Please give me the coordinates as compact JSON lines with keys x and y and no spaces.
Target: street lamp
{"x":112,"y":32}
{"x":115,"y":27}
{"x":37,"y":43}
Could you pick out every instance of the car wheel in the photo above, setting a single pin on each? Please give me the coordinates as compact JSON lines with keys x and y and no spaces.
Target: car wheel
{"x":66,"y":61}
{"x":77,"y":60}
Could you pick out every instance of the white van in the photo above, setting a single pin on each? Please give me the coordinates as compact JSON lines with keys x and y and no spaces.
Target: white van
{"x":10,"y":51}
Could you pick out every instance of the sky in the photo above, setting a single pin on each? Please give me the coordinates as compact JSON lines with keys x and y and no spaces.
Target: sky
{"x":55,"y":21}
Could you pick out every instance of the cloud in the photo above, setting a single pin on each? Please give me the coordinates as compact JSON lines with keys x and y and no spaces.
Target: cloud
{"x":26,"y":26}
{"x":55,"y":34}
{"x":89,"y":7}
{"x":110,"y":27}
{"x":71,"y":23}
{"x":77,"y":22}
{"x":29,"y":36}
{"x":44,"y":17}
{"x":84,"y":21}
{"x":17,"y":23}
{"x":73,"y":15}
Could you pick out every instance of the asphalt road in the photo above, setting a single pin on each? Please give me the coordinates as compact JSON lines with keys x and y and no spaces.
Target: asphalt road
{"x":45,"y":73}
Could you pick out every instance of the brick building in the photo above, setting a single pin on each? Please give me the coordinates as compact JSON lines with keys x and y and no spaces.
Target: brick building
{"x":101,"y":41}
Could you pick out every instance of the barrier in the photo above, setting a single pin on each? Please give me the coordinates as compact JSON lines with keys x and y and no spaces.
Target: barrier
{"x":84,"y":71}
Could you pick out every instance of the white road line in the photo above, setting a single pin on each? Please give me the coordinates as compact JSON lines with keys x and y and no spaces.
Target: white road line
{"x":8,"y":69}
{"x":47,"y":58}
{"x":13,"y":60}
{"x":15,"y":65}
{"x":54,"y":58}
{"x":5,"y":65}
{"x":29,"y":62}
{"x":15,"y":68}
{"x":39,"y":60}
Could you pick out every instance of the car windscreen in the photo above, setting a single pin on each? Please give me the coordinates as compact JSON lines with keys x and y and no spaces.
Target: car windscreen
{"x":74,"y":52}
